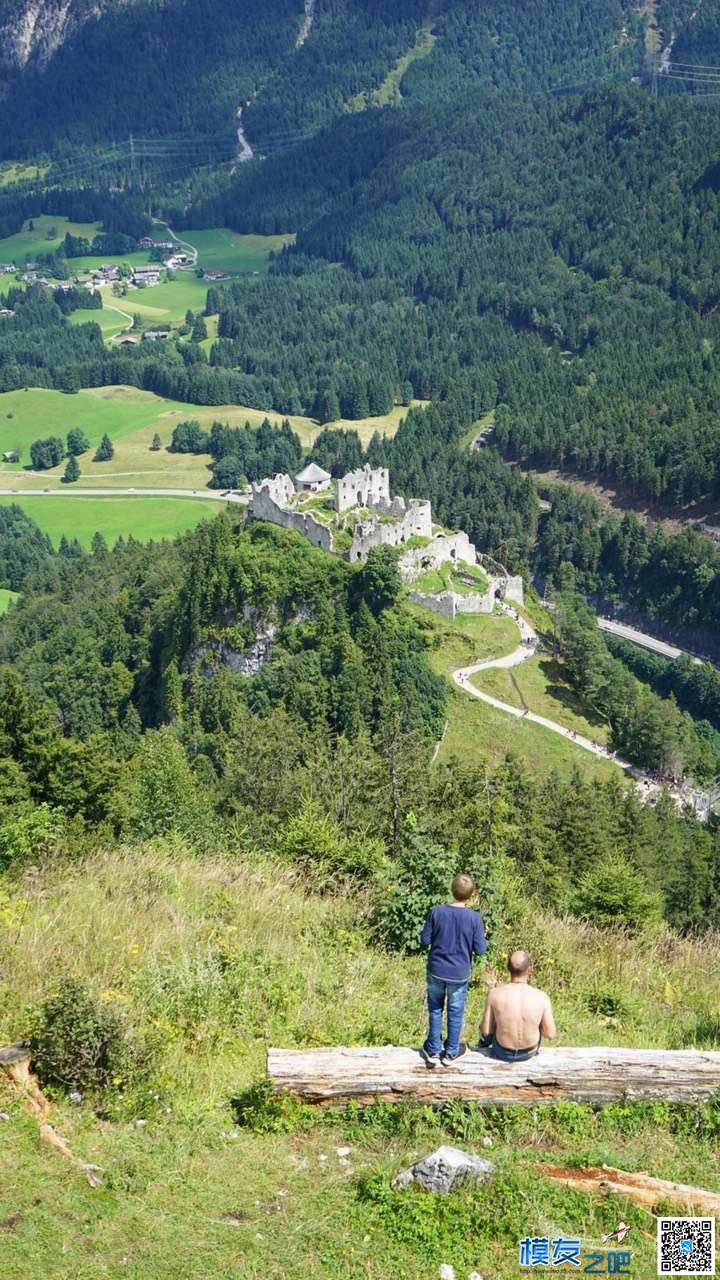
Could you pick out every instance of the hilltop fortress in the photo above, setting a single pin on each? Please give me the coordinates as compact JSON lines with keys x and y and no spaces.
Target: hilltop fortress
{"x":349,"y":516}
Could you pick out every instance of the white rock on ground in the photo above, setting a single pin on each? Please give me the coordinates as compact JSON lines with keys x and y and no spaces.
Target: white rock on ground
{"x":444,"y":1170}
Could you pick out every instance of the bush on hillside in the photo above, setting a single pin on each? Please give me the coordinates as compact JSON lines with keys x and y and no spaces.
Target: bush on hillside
{"x":79,"y":1043}
{"x":614,"y":893}
{"x":312,"y":840}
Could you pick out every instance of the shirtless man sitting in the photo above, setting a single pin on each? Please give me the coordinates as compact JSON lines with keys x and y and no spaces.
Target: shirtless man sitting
{"x":517,"y":1015}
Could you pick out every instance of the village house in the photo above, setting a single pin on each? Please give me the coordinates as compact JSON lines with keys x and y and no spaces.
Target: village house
{"x":146,"y":275}
{"x":106,"y":274}
{"x":7,"y":268}
{"x":215,"y":275}
{"x":12,"y":455}
{"x":156,"y":335}
{"x":176,"y":260}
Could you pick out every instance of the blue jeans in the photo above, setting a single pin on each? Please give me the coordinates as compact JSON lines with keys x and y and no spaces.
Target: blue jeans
{"x":499,"y":1051}
{"x":455,"y":993}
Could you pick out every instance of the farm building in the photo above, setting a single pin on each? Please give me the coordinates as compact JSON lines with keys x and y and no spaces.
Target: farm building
{"x":7,"y":268}
{"x":12,"y":455}
{"x":146,"y":275}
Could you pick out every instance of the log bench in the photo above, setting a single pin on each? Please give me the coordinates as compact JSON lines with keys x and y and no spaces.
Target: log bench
{"x":326,"y":1077}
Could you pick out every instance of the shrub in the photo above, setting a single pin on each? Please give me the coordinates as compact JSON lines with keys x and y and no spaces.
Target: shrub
{"x":614,"y":892}
{"x":312,"y":840}
{"x":30,"y":837}
{"x":79,"y":1043}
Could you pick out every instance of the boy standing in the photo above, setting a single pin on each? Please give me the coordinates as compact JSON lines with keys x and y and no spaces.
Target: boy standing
{"x":454,"y":933}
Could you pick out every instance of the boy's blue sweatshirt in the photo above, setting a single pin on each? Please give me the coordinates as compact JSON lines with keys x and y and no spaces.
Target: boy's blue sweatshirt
{"x":454,"y":935}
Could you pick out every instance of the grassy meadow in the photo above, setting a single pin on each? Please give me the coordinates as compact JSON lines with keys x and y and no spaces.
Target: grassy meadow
{"x":213,"y":960}
{"x":147,"y":519}
{"x":539,"y":685}
{"x":477,"y":732}
{"x":131,"y":417}
{"x":6,"y":598}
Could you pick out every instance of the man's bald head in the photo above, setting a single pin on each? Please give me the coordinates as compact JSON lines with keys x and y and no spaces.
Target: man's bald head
{"x":519,"y":964}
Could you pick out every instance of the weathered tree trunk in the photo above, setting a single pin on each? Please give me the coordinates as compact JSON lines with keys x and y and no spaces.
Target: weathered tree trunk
{"x":389,"y":1074}
{"x":15,"y":1063}
{"x":640,"y":1188}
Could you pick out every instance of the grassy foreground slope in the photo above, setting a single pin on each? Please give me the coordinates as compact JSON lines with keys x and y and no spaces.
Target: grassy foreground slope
{"x":217,"y":959}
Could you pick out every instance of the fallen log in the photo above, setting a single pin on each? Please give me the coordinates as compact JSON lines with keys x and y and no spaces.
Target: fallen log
{"x":15,"y":1063}
{"x":325,"y":1077}
{"x":639,"y":1188}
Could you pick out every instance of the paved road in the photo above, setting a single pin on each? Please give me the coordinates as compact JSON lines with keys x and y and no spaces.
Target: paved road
{"x":71,"y":491}
{"x":639,"y":637}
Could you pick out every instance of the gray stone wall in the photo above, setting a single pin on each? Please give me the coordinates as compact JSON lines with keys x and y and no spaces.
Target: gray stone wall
{"x":444,"y":546}
{"x":362,"y":488}
{"x":450,"y":604}
{"x":443,"y":603}
{"x":267,"y":503}
{"x":514,"y":590}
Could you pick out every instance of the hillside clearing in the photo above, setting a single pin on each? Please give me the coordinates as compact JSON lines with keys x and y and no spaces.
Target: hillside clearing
{"x":6,"y":597}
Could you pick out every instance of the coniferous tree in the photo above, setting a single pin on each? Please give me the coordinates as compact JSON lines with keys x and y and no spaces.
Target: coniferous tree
{"x":105,"y":450}
{"x":72,"y":470}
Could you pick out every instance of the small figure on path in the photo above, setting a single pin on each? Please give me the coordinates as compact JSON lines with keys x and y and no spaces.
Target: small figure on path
{"x":454,"y":933}
{"x":517,"y":1015}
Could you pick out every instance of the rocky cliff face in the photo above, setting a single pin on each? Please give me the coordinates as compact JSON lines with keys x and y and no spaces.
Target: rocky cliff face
{"x":31,"y":31}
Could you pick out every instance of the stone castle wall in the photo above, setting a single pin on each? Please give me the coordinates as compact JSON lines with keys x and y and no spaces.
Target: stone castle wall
{"x":444,"y":546}
{"x":365,"y":487}
{"x":449,"y":604}
{"x":268,"y":503}
{"x":410,"y":520}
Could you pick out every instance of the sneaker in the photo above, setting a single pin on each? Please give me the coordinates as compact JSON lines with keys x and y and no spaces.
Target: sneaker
{"x":431,"y":1060}
{"x":447,"y":1059}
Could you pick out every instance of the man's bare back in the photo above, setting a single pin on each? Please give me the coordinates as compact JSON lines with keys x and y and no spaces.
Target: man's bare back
{"x":517,"y":1014}
{"x":520,"y":1015}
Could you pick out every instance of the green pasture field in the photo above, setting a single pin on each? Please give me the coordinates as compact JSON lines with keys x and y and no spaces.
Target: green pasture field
{"x":25,"y":245}
{"x":109,"y":317}
{"x":147,"y":519}
{"x":130,"y":417}
{"x":220,"y":249}
{"x":164,"y":304}
{"x":6,"y":597}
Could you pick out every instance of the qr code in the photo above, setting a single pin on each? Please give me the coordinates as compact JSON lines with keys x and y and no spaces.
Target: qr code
{"x":686,"y":1246}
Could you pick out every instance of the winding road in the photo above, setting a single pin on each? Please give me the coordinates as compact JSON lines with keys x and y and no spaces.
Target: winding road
{"x":527,"y":649}
{"x":647,"y":787}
